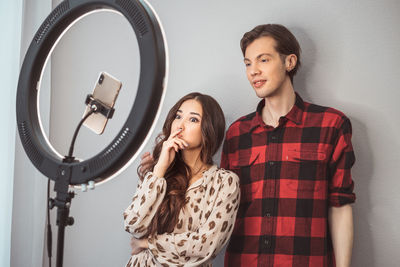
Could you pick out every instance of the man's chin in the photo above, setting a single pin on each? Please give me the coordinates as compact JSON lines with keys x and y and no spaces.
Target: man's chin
{"x":262,"y":94}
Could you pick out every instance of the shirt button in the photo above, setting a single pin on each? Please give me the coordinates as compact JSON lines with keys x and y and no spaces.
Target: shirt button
{"x":271,"y":163}
{"x":274,"y":137}
{"x":268,"y":214}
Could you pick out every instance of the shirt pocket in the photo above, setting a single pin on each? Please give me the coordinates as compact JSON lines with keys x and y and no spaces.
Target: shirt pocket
{"x":250,"y":170}
{"x":305,"y":155}
{"x":305,"y":170}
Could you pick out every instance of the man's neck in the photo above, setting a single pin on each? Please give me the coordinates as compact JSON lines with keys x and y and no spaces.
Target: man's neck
{"x":279,"y":104}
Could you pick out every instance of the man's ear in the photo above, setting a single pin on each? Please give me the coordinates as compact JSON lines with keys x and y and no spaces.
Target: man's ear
{"x":290,"y":62}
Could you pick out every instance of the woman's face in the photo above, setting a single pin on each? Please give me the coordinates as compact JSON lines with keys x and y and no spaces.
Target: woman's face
{"x":189,"y":118}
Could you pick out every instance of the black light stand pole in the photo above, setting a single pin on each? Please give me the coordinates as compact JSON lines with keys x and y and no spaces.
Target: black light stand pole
{"x":63,"y":203}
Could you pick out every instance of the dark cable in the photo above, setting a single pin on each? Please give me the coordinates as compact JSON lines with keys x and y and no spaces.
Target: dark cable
{"x":71,"y":148}
{"x":49,"y":233}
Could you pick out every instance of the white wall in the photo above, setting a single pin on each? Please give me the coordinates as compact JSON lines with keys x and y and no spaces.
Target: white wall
{"x":350,"y":61}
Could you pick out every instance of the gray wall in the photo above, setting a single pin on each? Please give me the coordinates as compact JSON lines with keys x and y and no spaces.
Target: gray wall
{"x":350,"y":61}
{"x":29,"y":196}
{"x":10,"y":28}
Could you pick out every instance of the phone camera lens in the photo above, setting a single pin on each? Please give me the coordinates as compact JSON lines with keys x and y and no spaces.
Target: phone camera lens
{"x":101,"y":79}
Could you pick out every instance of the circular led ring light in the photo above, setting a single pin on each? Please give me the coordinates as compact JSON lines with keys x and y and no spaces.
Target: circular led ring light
{"x":145,"y":110}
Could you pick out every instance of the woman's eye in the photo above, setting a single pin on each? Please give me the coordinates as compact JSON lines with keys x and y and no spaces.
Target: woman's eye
{"x":177,"y":116}
{"x":193,"y":119}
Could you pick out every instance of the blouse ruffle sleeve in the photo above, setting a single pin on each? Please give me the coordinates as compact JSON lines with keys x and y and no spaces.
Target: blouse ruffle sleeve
{"x":148,"y":197}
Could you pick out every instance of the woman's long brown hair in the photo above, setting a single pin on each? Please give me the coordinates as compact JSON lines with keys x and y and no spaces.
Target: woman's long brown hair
{"x":178,"y":173}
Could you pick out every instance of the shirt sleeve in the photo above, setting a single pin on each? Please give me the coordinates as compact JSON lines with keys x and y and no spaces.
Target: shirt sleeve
{"x":341,"y":184}
{"x":145,"y":203}
{"x":193,"y":248}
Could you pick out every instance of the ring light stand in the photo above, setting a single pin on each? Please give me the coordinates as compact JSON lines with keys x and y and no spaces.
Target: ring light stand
{"x":114,"y":158}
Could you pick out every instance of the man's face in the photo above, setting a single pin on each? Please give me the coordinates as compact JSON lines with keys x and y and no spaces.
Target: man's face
{"x":265,"y":68}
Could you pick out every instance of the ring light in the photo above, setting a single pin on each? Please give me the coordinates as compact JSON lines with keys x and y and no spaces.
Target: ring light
{"x":140,"y":123}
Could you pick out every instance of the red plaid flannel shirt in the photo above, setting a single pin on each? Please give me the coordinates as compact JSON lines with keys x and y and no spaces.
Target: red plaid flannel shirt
{"x":290,"y":176}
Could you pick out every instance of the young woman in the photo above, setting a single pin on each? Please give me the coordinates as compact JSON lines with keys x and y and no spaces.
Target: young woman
{"x":184,"y":208}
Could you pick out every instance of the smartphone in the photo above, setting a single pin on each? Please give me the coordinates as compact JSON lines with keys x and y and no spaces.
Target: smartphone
{"x":106,"y":91}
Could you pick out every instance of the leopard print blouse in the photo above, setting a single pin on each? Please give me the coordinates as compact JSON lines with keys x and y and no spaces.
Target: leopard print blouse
{"x":204,"y":226}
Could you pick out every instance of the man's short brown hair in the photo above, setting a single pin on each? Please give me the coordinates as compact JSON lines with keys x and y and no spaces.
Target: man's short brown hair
{"x":286,"y":43}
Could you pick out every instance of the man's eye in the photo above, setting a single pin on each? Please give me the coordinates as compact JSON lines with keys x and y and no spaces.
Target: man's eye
{"x":247,"y":64}
{"x":264,"y":60}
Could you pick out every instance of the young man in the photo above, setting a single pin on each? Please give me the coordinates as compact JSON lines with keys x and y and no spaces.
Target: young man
{"x":293,"y":159}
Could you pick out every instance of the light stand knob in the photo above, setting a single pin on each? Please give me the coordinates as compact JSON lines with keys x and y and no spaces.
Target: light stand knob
{"x":83,"y":187}
{"x":90,"y":185}
{"x":70,"y":221}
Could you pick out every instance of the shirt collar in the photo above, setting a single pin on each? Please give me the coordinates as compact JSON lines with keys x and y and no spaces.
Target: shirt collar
{"x":204,"y":180}
{"x":295,"y":114}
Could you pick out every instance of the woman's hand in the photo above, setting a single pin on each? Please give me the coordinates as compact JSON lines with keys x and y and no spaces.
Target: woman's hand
{"x":169,"y":148}
{"x":146,"y":161}
{"x":138,"y":245}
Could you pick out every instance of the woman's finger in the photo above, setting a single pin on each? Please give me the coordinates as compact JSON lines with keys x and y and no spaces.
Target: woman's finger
{"x":176,"y":147}
{"x":174,"y":133}
{"x":180,"y":142}
{"x":145,"y":155}
{"x":145,"y":160}
{"x":169,"y":143}
{"x":175,"y":141}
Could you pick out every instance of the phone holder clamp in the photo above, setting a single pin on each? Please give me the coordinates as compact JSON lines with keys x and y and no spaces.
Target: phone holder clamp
{"x":100,"y":107}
